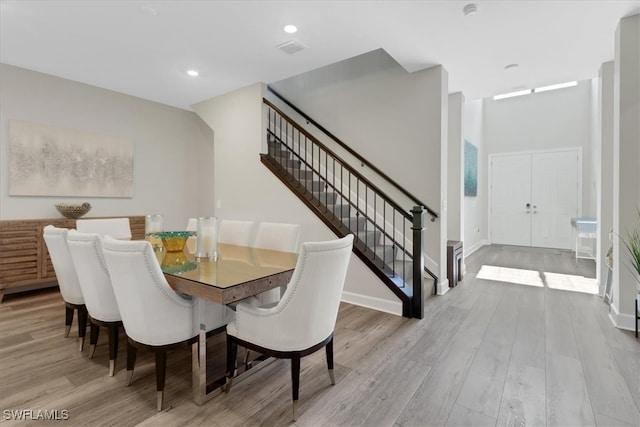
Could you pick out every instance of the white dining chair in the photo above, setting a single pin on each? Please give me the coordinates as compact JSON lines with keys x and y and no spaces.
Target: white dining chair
{"x":56,"y":241}
{"x":304,"y":319}
{"x":93,"y":275}
{"x":278,"y":237}
{"x":234,"y":232}
{"x":118,"y":228}
{"x":192,"y":225}
{"x":154,"y":315}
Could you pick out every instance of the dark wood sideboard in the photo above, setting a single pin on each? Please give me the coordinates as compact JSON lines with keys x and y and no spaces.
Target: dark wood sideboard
{"x":24,"y":259}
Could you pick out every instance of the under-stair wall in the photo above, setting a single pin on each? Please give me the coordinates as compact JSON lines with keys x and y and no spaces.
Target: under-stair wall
{"x":245,"y":189}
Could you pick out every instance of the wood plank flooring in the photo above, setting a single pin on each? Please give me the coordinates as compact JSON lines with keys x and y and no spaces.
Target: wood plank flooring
{"x":487,"y":353}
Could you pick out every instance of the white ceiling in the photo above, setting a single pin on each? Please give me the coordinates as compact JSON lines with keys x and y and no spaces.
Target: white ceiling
{"x":143,"y":48}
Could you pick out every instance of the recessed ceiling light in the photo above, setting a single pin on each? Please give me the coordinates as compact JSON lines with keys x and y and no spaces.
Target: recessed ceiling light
{"x":511,"y":67}
{"x":148,"y":10}
{"x":470,"y":9}
{"x":291,"y":29}
{"x":193,"y":73}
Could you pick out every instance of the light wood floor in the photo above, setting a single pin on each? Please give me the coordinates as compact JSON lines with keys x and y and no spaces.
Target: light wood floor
{"x":486,"y":353}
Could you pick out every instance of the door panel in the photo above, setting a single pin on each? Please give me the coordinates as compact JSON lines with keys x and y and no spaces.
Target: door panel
{"x":554,"y":193}
{"x":510,"y":193}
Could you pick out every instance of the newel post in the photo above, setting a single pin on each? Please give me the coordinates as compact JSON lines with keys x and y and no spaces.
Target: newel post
{"x":417,"y":304}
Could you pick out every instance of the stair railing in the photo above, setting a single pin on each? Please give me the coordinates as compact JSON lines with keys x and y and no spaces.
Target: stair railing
{"x":356,"y":155}
{"x":387,"y":235}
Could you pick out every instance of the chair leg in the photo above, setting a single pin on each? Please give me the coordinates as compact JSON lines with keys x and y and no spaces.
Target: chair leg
{"x":329,"y":350}
{"x":94,"y":331}
{"x":113,"y":347}
{"x":232,"y":354}
{"x":82,"y":325}
{"x":295,"y":384}
{"x":132,"y":352}
{"x":161,"y":370}
{"x":247,"y":364}
{"x":68,"y":320}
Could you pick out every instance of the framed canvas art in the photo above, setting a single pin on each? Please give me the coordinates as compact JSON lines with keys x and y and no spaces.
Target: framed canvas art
{"x":470,"y":169}
{"x":48,"y":160}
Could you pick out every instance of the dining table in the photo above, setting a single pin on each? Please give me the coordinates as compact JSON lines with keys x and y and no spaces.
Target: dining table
{"x":236,"y":273}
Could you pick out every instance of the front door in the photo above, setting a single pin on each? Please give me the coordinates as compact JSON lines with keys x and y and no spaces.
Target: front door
{"x":533,"y":198}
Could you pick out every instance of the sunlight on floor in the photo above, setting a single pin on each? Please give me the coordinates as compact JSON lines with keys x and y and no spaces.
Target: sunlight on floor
{"x":510,"y":275}
{"x":564,"y":282}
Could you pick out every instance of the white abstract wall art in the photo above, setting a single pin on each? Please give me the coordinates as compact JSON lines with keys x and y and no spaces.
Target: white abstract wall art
{"x":48,"y":160}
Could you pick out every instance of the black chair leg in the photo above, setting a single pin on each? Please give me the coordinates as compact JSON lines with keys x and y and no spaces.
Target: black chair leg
{"x":161,"y":370}
{"x":329,"y":350}
{"x":113,"y":347}
{"x":94,"y":332}
{"x":83,"y":315}
{"x":132,"y":352}
{"x":232,"y":354}
{"x":295,"y":383}
{"x":68,"y":320}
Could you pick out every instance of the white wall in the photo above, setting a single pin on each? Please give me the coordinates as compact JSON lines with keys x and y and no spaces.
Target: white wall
{"x":396,"y":120}
{"x":626,"y":173}
{"x":544,"y":121}
{"x":455,"y":172}
{"x":246,"y":189}
{"x":605,"y":170}
{"x":171,"y":146}
{"x":475,"y":208}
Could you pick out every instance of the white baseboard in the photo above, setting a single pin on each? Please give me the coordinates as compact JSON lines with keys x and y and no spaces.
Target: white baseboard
{"x":472,"y":249}
{"x":386,"y":306}
{"x":443,"y":286}
{"x":621,"y":321}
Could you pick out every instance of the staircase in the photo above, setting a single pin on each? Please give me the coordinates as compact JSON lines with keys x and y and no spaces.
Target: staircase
{"x":387,"y":235}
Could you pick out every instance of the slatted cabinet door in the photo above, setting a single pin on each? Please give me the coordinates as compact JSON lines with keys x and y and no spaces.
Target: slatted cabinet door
{"x":24,"y":258}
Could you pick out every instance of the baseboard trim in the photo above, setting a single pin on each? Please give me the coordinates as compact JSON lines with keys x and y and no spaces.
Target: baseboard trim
{"x":621,"y":321}
{"x":379,"y":304}
{"x":472,"y":249}
{"x":443,"y":286}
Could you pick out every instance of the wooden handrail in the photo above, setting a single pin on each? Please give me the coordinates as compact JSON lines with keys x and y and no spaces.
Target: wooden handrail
{"x":348,"y":167}
{"x":413,"y":198}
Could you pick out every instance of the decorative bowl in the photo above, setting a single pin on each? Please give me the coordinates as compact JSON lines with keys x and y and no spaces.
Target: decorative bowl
{"x":176,"y":262}
{"x":173,"y":241}
{"x":70,"y":210}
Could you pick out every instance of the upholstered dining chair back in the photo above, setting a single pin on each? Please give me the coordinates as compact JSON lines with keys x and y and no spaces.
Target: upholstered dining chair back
{"x":307,"y":312}
{"x":234,"y":232}
{"x":93,"y":275}
{"x":152,"y":312}
{"x":192,"y":225}
{"x":91,"y":267}
{"x":118,"y":228}
{"x":278,"y":237}
{"x":56,"y":240}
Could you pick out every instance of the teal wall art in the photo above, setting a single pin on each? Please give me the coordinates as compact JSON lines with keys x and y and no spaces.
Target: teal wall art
{"x":470,"y":169}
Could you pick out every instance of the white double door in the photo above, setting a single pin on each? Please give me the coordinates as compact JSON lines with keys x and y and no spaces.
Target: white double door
{"x":533,"y":198}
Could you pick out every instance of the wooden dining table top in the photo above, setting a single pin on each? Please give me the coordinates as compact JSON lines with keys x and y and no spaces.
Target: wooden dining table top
{"x":238,"y":273}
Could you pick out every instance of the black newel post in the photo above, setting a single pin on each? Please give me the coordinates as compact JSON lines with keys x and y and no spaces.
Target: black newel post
{"x":417,"y":305}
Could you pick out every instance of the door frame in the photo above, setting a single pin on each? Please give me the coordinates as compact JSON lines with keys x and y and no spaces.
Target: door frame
{"x":577,"y":150}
